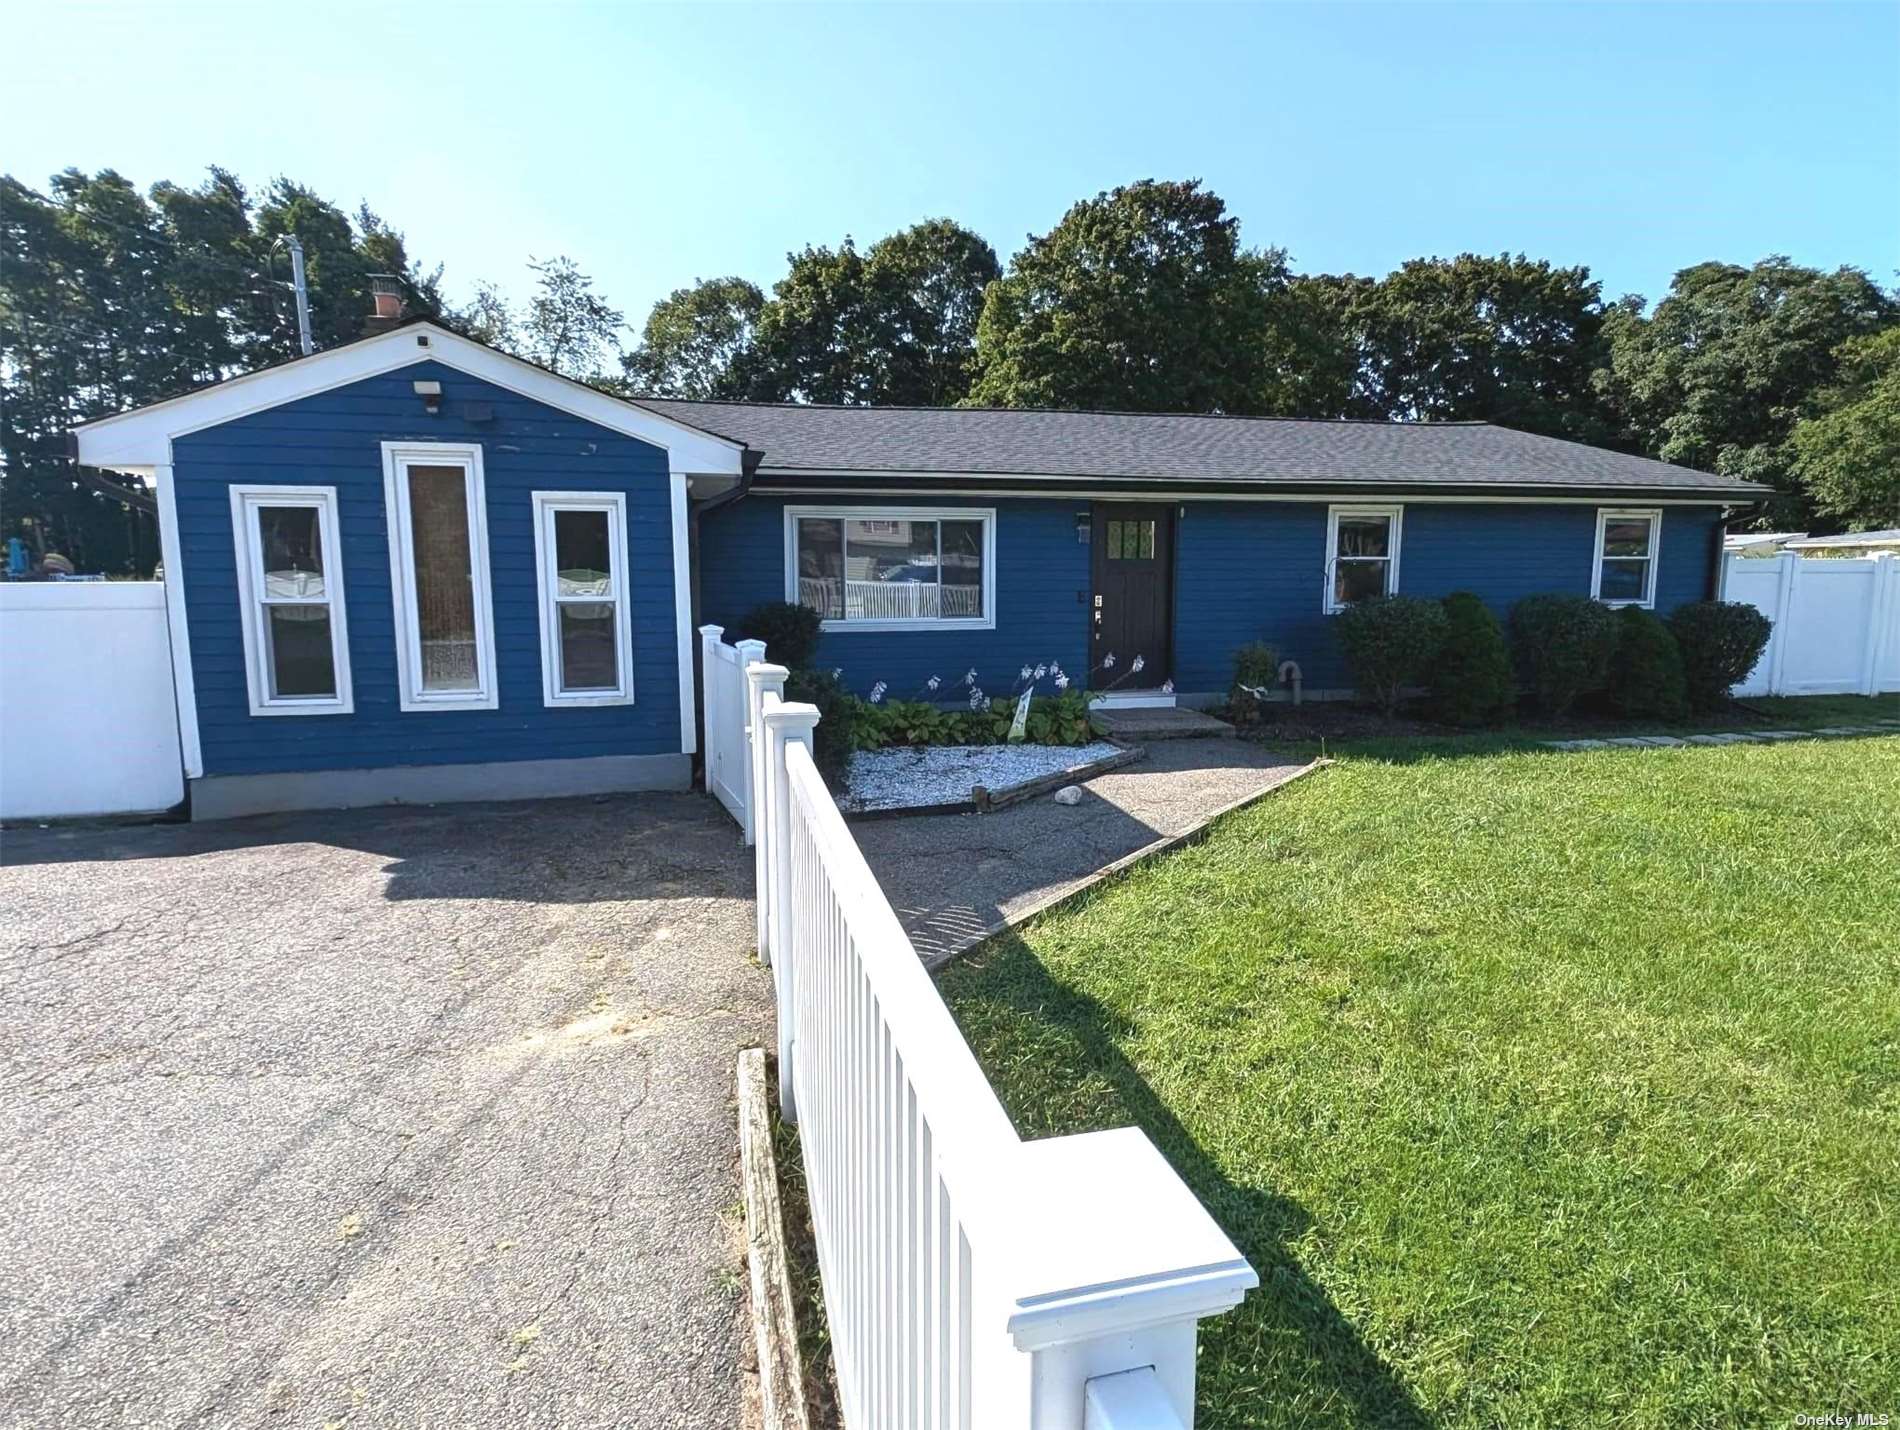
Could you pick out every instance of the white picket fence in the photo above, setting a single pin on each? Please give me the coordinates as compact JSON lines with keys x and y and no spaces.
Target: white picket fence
{"x":1837,"y":622}
{"x":972,"y":1281}
{"x":726,"y":736}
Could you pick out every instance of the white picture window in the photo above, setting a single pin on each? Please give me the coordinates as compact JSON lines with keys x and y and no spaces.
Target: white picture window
{"x":1625,"y":572}
{"x":580,"y":563}
{"x":892,"y":569}
{"x":290,"y":593}
{"x":1362,"y":554}
{"x":438,"y":570}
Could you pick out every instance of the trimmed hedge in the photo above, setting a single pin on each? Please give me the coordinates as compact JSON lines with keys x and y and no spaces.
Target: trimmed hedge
{"x":1646,"y":672}
{"x":1562,"y":646}
{"x":1471,"y":683}
{"x":1391,"y":643}
{"x":1720,"y":643}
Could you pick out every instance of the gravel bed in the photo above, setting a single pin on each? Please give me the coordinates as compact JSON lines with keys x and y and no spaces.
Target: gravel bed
{"x":945,"y":774}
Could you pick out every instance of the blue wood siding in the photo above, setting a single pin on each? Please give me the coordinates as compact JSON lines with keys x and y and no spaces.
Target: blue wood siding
{"x":334,"y":439}
{"x":1256,"y":571}
{"x":1244,"y":571}
{"x":1042,"y":583}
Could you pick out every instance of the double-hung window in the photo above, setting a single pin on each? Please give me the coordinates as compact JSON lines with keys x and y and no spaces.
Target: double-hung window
{"x":580,"y":563}
{"x":290,"y":593}
{"x":889,"y":568}
{"x":438,"y":569}
{"x":1625,"y":572}
{"x":1362,"y":554}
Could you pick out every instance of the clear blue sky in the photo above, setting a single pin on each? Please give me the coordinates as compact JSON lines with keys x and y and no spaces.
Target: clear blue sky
{"x":658,"y":144}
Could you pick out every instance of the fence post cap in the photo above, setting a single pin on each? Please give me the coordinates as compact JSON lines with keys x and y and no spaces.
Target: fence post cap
{"x":764,"y":673}
{"x":1113,"y":1241}
{"x":753,"y":647}
{"x":793,"y":716}
{"x":712,"y":632}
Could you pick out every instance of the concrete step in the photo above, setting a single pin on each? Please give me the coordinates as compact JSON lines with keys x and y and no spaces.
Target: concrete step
{"x":1140,"y":724}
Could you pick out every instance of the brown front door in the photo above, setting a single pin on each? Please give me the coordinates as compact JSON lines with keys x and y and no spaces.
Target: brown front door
{"x":1133,"y":606}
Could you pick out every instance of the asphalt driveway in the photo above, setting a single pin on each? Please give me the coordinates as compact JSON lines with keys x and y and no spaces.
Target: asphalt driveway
{"x":418,"y":1117}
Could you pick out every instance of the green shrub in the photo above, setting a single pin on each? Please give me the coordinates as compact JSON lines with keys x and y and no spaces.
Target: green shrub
{"x":1720,"y":643}
{"x":790,"y":632}
{"x":1471,"y":683}
{"x":1256,"y":667}
{"x":1391,"y":642}
{"x":836,"y":736}
{"x":1562,"y":646}
{"x":1646,"y":671}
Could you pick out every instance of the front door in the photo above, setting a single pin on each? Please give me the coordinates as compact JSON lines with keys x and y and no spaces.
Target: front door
{"x":1133,"y":607}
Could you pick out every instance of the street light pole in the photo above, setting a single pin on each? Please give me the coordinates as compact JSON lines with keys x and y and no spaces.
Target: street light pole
{"x":303,"y":293}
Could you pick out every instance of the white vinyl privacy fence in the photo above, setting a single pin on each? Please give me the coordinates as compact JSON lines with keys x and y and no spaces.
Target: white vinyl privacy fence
{"x":972,"y":1280}
{"x":1837,"y":622}
{"x":88,"y":715}
{"x":726,"y":738}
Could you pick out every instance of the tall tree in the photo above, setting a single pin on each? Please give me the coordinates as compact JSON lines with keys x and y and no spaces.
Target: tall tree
{"x":569,"y":327}
{"x":1718,"y":374}
{"x":1846,"y":452}
{"x":922,"y":298}
{"x":1312,"y":358}
{"x":1507,"y":339}
{"x":1139,"y":298}
{"x":699,"y":341}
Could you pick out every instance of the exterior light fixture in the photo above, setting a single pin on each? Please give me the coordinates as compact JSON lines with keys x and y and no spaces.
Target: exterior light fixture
{"x":431,"y":395}
{"x":1082,"y":528}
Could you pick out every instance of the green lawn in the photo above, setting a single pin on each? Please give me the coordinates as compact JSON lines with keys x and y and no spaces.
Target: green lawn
{"x":1540,"y":1088}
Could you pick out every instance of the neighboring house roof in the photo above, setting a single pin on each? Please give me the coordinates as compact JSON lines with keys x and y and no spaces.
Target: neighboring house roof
{"x":1849,"y":540}
{"x":800,"y":441}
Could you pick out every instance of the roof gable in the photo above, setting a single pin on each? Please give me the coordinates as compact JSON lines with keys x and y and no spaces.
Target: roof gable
{"x":141,"y":439}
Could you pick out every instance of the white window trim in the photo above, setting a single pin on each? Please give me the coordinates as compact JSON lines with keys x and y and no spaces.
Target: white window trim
{"x":1605,"y":515}
{"x":986,"y":515}
{"x":614,"y":504}
{"x":397,"y":457}
{"x":245,"y":500}
{"x":1330,"y":607}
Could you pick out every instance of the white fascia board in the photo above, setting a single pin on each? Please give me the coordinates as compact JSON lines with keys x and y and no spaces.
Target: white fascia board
{"x":140,"y":439}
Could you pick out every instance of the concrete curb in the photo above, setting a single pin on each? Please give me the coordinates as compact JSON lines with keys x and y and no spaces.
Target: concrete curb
{"x":775,"y":1327}
{"x":1165,"y":845}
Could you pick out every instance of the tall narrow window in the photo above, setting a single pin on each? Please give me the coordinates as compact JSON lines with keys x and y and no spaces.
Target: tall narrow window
{"x":290,"y":589}
{"x":1626,"y":557}
{"x":438,"y":566}
{"x":1362,"y":554}
{"x":580,"y":560}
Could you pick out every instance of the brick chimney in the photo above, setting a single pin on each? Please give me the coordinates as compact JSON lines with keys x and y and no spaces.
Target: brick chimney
{"x":386,"y":293}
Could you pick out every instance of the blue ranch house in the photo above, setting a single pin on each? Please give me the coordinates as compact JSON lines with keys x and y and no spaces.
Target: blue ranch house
{"x":415,"y":568}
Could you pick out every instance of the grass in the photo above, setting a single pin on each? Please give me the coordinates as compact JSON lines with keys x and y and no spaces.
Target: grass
{"x":1540,"y":1088}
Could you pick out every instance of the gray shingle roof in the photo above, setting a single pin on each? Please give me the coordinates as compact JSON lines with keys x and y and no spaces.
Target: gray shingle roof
{"x":1172,"y":448}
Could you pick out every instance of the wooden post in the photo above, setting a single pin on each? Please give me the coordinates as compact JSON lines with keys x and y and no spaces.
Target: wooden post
{"x":784,"y":725}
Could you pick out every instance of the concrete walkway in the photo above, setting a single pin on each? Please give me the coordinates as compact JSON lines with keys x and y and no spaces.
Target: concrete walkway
{"x":957,"y":878}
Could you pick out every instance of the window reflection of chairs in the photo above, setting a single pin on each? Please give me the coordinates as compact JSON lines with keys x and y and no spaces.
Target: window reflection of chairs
{"x":890,"y":600}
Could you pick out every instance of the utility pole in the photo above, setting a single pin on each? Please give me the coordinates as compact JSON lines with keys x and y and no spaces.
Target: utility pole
{"x":303,"y":293}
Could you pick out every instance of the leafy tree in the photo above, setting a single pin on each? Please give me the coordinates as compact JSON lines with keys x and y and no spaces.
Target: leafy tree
{"x":568,"y":327}
{"x":1846,"y":454}
{"x":1476,"y":339}
{"x":488,"y":318}
{"x":698,"y":341}
{"x":895,"y":324}
{"x":1718,"y":374}
{"x":1139,"y":298}
{"x":1312,"y":361}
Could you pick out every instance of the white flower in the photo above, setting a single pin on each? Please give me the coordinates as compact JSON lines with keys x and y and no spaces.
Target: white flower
{"x":1043,"y":670}
{"x":1135,"y":669}
{"x":1062,"y":682}
{"x":969,"y":676}
{"x":837,"y":672}
{"x":976,"y":700}
{"x":933,"y":682}
{"x":1025,"y":675}
{"x":877,"y":692}
{"x":1167,"y":687}
{"x":1108,"y":661}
